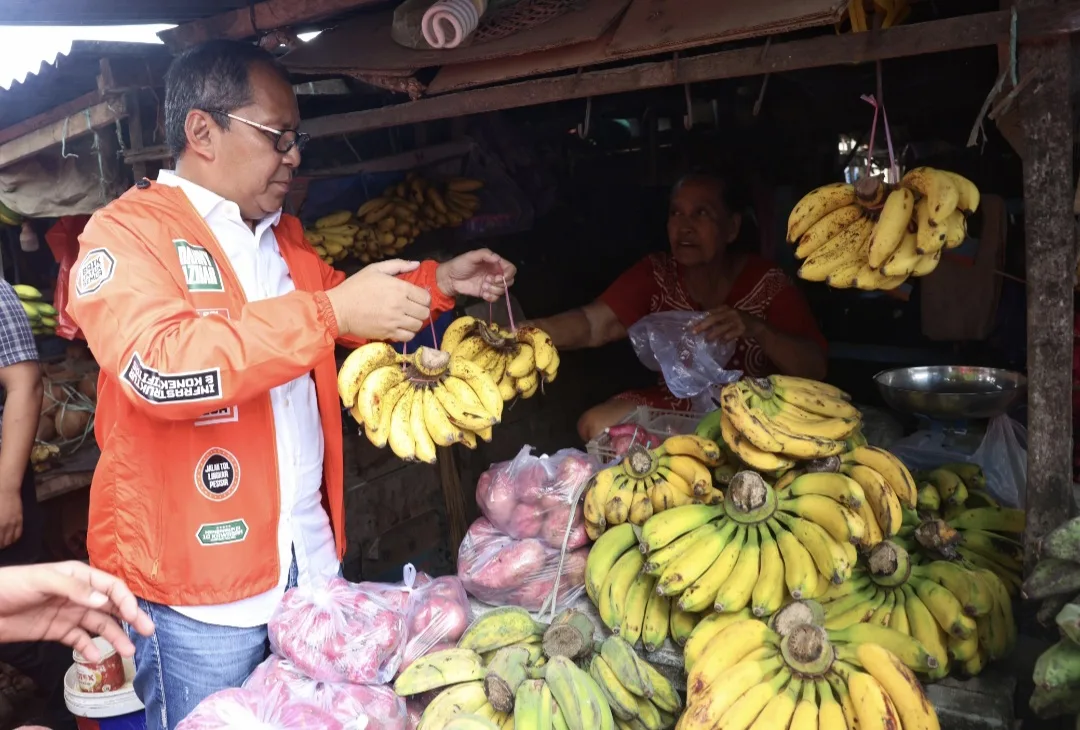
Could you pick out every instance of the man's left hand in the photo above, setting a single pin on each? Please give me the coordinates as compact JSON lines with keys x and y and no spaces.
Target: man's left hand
{"x":481,"y":273}
{"x":727,"y":324}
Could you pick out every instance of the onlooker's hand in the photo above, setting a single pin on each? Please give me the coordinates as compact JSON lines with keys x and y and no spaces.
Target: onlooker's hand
{"x":11,"y":517}
{"x":70,"y":603}
{"x":480,"y":273}
{"x":375,"y":305}
{"x":727,"y":324}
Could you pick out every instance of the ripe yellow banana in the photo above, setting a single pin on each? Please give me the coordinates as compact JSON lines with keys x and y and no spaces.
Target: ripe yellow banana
{"x":944,"y":606}
{"x":701,"y":594}
{"x":817,"y":204}
{"x":705,"y":710}
{"x":463,"y":406}
{"x":748,"y":453}
{"x":705,"y":631}
{"x":681,"y":572}
{"x":423,"y":444}
{"x":833,"y":485}
{"x":768,"y":594}
{"x":481,"y":383}
{"x":523,"y":363}
{"x":540,"y":342}
{"x":401,"y":438}
{"x":845,"y":276}
{"x":843,"y":249}
{"x":891,"y":469}
{"x":901,"y":685}
{"x":456,"y":332}
{"x":828,"y":555}
{"x":800,"y":571}
{"x":334,"y":219}
{"x":657,"y":620}
{"x":839,"y":521}
{"x":753,"y":702}
{"x":359,"y":364}
{"x":369,"y":399}
{"x":437,"y":422}
{"x":924,"y":628}
{"x":939,"y":190}
{"x":929,"y":236}
{"x":439,"y":669}
{"x":378,"y":432}
{"x":903,"y":259}
{"x":735,"y":593}
{"x":874,"y":280}
{"x":968,"y":194}
{"x":872,"y":705}
{"x":879,"y":496}
{"x":891,"y":226}
{"x":826,"y":228}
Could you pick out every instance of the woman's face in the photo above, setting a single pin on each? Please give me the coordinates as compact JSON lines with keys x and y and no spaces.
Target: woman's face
{"x":700,"y":226}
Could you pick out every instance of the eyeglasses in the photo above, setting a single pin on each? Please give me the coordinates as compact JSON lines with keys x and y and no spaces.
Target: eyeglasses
{"x":284,"y":139}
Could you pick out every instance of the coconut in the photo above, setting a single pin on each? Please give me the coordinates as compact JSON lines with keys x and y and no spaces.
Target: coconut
{"x":88,"y":386}
{"x":52,"y":395}
{"x":46,"y":430}
{"x":71,"y":423}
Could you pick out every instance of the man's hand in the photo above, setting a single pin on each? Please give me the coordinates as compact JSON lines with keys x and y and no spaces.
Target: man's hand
{"x":70,"y":603}
{"x":727,"y":324}
{"x":11,"y":516}
{"x":375,"y":305}
{"x":481,"y":273}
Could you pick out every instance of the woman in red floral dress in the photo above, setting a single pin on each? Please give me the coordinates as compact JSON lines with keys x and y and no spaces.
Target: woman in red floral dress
{"x":747,"y":299}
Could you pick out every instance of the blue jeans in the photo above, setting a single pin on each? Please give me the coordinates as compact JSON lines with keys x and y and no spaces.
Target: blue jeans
{"x":186,"y":661}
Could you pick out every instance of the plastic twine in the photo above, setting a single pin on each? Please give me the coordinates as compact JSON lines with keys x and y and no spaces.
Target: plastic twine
{"x":872,"y":101}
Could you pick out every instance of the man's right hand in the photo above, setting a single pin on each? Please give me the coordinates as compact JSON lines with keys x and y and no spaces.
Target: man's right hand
{"x":11,"y":517}
{"x":375,"y":305}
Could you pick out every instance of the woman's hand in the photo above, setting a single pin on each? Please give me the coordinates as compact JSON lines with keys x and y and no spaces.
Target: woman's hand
{"x":68,"y":602}
{"x":727,"y":324}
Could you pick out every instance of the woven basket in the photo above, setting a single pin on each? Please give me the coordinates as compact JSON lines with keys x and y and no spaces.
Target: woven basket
{"x":513,"y":16}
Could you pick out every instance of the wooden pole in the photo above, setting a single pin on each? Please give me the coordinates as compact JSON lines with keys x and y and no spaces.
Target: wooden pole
{"x":1046,"y":116}
{"x":966,"y":31}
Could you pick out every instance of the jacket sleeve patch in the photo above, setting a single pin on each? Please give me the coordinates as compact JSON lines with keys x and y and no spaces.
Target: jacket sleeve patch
{"x":97,"y":268}
{"x":164,"y":388}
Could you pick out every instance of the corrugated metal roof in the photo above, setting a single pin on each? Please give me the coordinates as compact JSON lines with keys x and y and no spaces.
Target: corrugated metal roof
{"x":68,"y":77}
{"x":112,"y":12}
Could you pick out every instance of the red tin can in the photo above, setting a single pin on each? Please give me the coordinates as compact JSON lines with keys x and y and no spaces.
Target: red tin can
{"x":105,"y":675}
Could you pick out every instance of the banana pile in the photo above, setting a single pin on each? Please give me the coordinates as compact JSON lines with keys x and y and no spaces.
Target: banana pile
{"x":42,"y":454}
{"x":872,"y":236}
{"x":1055,"y":581}
{"x":385,"y":225}
{"x":418,"y":402}
{"x":958,"y":612}
{"x":518,"y":361}
{"x":795,"y":674}
{"x":770,"y":423}
{"x":507,"y":672}
{"x":42,"y":314}
{"x":649,"y":481}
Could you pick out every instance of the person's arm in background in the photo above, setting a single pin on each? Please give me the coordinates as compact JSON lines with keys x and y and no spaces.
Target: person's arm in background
{"x":607,"y":319}
{"x":20,"y":377}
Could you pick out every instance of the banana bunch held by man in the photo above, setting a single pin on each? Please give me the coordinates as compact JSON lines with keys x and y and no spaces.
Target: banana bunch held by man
{"x":960,"y":614}
{"x":794,"y":675}
{"x":518,"y":361}
{"x":648,"y":481}
{"x":772,"y":423}
{"x":752,"y":553}
{"x":501,"y":674}
{"x":385,"y":225}
{"x":872,"y":236}
{"x":416,"y":403}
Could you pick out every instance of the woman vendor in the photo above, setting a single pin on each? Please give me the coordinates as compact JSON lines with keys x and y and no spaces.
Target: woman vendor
{"x":747,"y":299}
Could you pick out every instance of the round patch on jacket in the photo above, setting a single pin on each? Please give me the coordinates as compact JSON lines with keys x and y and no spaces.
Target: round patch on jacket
{"x":217,"y":475}
{"x":97,"y":268}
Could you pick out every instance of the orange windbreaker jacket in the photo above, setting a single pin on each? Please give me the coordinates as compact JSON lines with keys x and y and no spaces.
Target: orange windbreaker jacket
{"x":185,"y":501}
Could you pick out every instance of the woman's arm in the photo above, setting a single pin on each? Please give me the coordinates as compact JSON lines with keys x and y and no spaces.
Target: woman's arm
{"x":593,"y":325}
{"x":791,"y":354}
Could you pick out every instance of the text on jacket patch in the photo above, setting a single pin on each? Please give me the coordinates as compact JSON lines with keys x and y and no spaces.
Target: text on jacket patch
{"x":200,"y":270}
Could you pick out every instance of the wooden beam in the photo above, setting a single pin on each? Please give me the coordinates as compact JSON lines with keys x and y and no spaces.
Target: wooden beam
{"x":969,"y":31}
{"x":1046,"y":115}
{"x":37,"y":122}
{"x":77,"y":124}
{"x":260,"y":17}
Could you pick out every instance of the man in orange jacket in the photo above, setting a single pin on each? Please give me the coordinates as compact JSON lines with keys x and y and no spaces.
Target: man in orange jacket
{"x":220,"y":481}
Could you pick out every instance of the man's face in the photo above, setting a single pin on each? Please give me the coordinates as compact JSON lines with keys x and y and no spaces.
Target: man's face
{"x":247,"y":163}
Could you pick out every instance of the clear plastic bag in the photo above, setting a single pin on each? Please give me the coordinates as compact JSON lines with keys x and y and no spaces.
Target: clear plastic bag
{"x":1002,"y":454}
{"x":534,"y":496}
{"x":337,"y":632}
{"x":397,"y":595}
{"x":435,"y":618}
{"x":248,"y":709}
{"x":355,"y":706}
{"x":691,"y":365}
{"x":501,"y":571}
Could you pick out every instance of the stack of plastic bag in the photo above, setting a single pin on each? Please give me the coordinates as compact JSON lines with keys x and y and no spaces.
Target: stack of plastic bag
{"x":269,"y":708}
{"x":355,"y":706}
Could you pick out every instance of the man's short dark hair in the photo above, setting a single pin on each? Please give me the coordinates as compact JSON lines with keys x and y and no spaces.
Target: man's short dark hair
{"x":214,"y":76}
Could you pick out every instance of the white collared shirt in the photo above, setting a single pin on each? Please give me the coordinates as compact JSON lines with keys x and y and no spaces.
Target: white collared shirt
{"x":303,"y":525}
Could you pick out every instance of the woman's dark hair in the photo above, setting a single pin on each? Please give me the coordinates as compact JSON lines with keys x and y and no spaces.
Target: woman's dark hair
{"x":734,"y":194}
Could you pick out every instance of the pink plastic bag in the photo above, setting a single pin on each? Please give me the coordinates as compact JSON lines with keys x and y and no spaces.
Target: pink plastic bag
{"x":436,"y":616}
{"x":337,"y":632}
{"x":355,"y":706}
{"x":502,"y":571}
{"x":396,"y":595}
{"x":534,"y":496}
{"x":246,"y":709}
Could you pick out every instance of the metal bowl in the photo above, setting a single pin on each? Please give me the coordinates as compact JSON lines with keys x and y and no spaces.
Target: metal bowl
{"x":951,"y":392}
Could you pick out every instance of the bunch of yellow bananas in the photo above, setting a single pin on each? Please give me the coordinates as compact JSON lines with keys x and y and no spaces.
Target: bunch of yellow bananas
{"x":42,"y":315}
{"x":385,"y":225}
{"x":503,"y":674}
{"x":41,"y":454}
{"x":518,"y":361}
{"x":957,"y":611}
{"x":771,"y":423}
{"x":416,"y":403}
{"x":794,"y":675}
{"x":871,"y":236}
{"x":648,"y":481}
